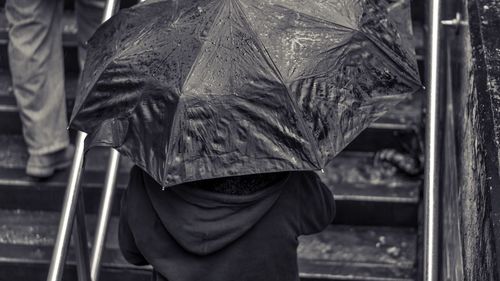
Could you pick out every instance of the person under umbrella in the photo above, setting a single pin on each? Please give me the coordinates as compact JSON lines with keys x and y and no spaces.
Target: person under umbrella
{"x":227,"y":107}
{"x":236,"y":228}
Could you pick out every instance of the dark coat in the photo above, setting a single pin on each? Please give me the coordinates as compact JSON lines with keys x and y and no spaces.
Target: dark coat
{"x":191,"y":234}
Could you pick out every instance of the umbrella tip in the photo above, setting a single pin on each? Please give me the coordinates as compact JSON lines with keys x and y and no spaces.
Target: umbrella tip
{"x":323,"y":171}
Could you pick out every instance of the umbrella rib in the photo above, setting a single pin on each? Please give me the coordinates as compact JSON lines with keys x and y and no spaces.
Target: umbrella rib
{"x":180,"y":104}
{"x":299,"y":77}
{"x":357,"y":31}
{"x":140,"y":35}
{"x":391,"y":55}
{"x":389,"y":52}
{"x":112,"y":57}
{"x":318,"y":18}
{"x":280,"y":76}
{"x":198,"y":55}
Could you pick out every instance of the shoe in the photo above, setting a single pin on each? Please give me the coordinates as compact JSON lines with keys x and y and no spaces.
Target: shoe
{"x":45,"y":165}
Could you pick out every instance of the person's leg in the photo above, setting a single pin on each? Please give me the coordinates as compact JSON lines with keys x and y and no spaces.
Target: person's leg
{"x":36,"y":62}
{"x":88,"y":18}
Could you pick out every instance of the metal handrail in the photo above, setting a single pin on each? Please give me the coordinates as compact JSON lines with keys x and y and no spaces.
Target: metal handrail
{"x":68,"y":212}
{"x":431,"y":179}
{"x":104,"y":214}
{"x":80,"y":239}
{"x":73,"y":204}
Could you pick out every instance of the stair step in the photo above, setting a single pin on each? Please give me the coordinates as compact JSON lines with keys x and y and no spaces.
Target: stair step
{"x":397,"y":129}
{"x":19,"y":191}
{"x":13,"y":155}
{"x":371,"y":194}
{"x":359,"y":253}
{"x":27,"y":239}
{"x":366,"y":194}
{"x":338,"y":253}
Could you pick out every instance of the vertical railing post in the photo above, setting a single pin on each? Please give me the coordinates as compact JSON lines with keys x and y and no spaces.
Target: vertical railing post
{"x":110,"y":9}
{"x":109,"y":185}
{"x":105,"y":209}
{"x":68,"y":212}
{"x":105,"y":206}
{"x":431,"y":179}
{"x":81,"y":241}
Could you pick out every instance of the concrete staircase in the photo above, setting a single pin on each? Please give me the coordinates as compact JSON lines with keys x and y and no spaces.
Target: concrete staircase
{"x":374,"y":237}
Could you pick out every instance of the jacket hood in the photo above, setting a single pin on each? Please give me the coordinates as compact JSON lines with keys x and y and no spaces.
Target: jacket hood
{"x":203,"y":222}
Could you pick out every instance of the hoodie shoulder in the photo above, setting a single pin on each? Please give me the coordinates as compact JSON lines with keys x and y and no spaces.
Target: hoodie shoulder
{"x":316,"y":205}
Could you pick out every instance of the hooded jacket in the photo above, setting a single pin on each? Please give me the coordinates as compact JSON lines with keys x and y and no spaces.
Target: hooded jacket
{"x":192,"y":234}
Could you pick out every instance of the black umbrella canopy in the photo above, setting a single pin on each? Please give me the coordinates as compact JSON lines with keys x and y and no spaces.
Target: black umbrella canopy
{"x":192,"y":90}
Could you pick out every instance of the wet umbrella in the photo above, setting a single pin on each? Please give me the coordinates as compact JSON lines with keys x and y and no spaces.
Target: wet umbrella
{"x":193,"y":90}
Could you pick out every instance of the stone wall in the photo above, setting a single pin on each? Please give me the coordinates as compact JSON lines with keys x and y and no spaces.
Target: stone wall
{"x":471,"y":182}
{"x":484,"y":22}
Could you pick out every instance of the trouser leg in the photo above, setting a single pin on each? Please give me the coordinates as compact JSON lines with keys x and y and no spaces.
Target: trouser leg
{"x":88,"y":18}
{"x":36,"y":62}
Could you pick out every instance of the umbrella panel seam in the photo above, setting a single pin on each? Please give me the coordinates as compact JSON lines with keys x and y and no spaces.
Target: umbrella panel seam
{"x":175,"y":121}
{"x":299,"y":117}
